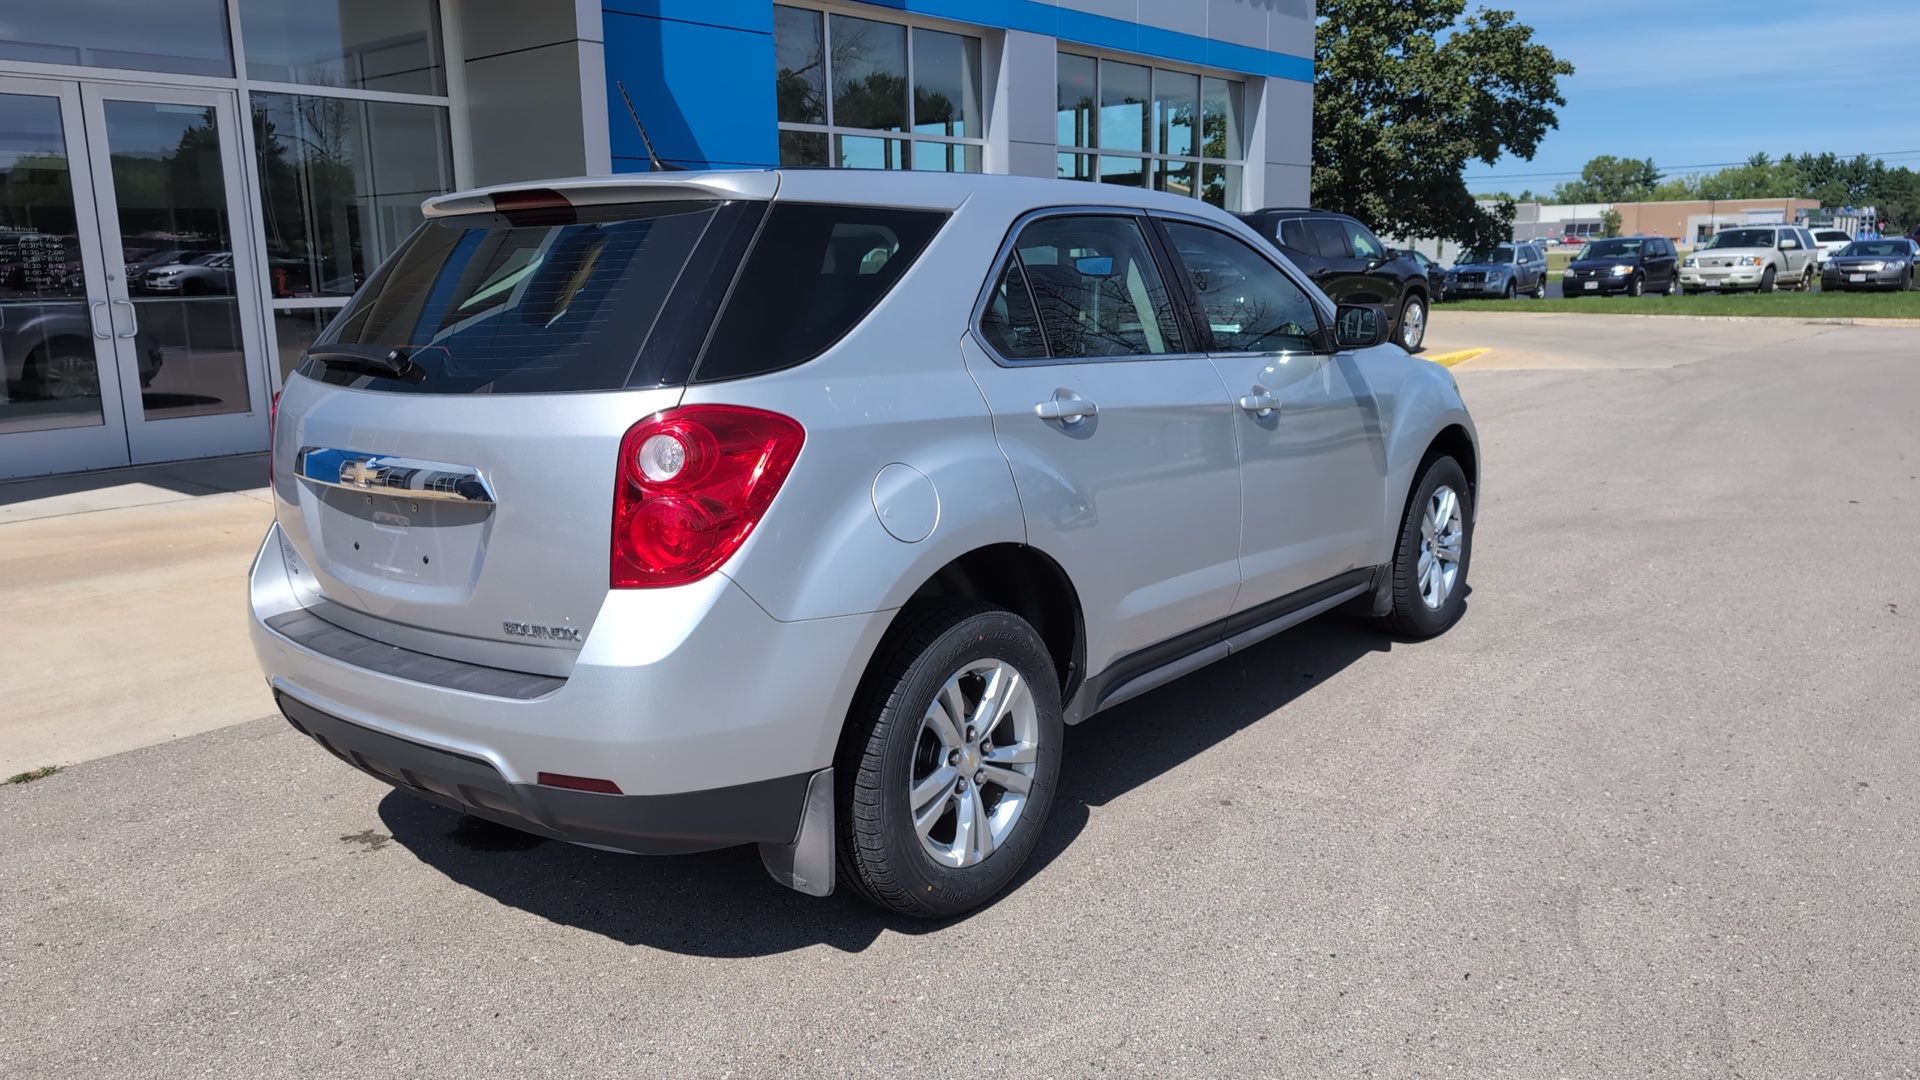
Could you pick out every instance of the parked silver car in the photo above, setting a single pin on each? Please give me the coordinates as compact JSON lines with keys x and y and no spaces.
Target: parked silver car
{"x":1506,"y":271}
{"x":802,"y":509}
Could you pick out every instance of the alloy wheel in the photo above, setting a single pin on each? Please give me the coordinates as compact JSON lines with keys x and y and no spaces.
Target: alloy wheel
{"x":1413,"y":324}
{"x":1441,"y":540}
{"x":974,"y":763}
{"x":68,"y":375}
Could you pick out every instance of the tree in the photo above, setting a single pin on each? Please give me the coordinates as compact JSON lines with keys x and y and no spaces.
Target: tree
{"x":1609,"y":222}
{"x":1407,"y":92}
{"x":1608,"y":179}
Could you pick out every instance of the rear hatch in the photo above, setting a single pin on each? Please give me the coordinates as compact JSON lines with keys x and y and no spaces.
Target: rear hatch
{"x":445,"y":458}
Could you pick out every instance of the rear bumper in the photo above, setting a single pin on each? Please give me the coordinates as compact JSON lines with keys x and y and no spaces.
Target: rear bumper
{"x":766,"y":811}
{"x":694,"y":695}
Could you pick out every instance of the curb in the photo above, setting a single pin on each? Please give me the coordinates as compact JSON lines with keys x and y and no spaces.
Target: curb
{"x":1794,"y":320}
{"x":1461,"y":356}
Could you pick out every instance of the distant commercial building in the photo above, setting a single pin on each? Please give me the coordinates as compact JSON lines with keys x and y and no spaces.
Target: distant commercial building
{"x":1689,"y":222}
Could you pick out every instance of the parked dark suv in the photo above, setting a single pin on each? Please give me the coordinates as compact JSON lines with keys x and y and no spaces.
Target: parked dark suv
{"x":1623,"y":264}
{"x":1351,"y":265}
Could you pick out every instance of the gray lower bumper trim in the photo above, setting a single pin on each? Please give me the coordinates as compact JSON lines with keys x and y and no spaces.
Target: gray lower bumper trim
{"x":310,"y":631}
{"x":765,"y":811}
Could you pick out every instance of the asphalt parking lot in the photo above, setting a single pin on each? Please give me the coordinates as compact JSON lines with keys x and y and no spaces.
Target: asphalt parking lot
{"x":1649,"y":810}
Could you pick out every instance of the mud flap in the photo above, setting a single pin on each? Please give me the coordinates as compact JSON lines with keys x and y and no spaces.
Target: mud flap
{"x":807,"y":864}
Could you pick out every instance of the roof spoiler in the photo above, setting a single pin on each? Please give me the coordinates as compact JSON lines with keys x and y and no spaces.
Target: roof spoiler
{"x":760,"y":185}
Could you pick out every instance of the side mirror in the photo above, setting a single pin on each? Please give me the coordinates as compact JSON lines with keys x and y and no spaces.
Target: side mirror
{"x":1359,"y":326}
{"x":1789,"y":245}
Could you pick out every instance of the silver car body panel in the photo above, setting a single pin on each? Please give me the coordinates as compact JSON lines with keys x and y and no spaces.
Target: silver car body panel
{"x":749,"y":673}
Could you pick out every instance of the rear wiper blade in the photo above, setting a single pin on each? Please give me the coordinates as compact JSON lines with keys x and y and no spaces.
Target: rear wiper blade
{"x":389,"y":360}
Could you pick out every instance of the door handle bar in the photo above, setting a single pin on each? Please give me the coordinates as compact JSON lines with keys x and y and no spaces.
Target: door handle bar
{"x":1066,"y":407}
{"x":1261,"y":403}
{"x":133,"y":313}
{"x":93,"y":316}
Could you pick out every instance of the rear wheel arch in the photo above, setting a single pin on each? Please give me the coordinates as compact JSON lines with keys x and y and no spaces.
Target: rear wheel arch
{"x":1027,"y":582}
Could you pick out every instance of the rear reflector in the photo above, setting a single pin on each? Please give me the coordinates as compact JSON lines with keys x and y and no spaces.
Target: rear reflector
{"x":579,"y":783}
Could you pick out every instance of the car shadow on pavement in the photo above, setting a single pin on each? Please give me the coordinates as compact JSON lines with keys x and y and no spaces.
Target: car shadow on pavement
{"x":723,"y":903}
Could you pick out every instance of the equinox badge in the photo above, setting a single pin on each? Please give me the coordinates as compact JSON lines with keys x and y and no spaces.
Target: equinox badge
{"x":535,"y":630}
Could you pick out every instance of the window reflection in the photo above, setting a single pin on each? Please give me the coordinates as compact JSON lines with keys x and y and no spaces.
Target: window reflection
{"x":341,"y":184}
{"x":391,"y":45}
{"x":187,"y":37}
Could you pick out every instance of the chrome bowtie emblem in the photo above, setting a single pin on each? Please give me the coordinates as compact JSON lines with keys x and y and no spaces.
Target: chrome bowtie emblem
{"x":359,"y":471}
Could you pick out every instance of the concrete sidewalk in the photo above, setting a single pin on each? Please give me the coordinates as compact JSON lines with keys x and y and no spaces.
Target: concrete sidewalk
{"x":125,"y":594}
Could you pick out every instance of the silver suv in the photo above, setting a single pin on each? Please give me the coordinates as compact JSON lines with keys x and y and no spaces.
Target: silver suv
{"x":802,"y":509}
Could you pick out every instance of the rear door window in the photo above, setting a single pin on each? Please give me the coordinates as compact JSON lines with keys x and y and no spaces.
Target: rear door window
{"x":506,"y":304}
{"x":1332,"y":237}
{"x":1295,"y":234}
{"x":815,"y":272}
{"x":1097,"y":287}
{"x":1364,"y":244}
{"x":1010,"y":323}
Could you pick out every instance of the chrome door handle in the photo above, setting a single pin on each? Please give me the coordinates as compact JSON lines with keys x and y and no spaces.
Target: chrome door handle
{"x":1067,"y":407}
{"x":93,"y":316}
{"x":1261,"y":403}
{"x":133,"y":313}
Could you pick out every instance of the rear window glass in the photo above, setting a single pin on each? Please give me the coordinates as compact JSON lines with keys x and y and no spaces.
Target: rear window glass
{"x":491,"y":304}
{"x":815,"y":272}
{"x":1295,"y":234}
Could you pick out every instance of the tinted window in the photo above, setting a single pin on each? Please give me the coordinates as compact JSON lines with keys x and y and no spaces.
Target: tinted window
{"x":815,"y":272}
{"x":1332,"y":237}
{"x":1612,"y":249}
{"x":489,"y":304}
{"x":1249,"y":304}
{"x":1832,"y":236}
{"x":1741,"y":238}
{"x":1010,"y":323}
{"x":1295,"y":234}
{"x":1364,"y":244}
{"x":1097,"y":288}
{"x":1896,"y":248}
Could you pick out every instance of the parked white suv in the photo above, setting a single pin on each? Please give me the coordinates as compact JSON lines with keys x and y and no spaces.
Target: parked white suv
{"x":802,"y":509}
{"x":1757,"y":257}
{"x":1830,"y":242}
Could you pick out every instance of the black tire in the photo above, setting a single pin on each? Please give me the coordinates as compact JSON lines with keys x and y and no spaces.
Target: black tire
{"x":1414,"y":329}
{"x":1410,"y":617}
{"x":1510,"y":292}
{"x":880,"y":851}
{"x":1673,"y":284}
{"x":1767,"y":280}
{"x":1636,"y":286}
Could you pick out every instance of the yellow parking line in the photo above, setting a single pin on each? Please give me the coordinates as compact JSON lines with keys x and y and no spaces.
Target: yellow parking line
{"x":1448,"y":359}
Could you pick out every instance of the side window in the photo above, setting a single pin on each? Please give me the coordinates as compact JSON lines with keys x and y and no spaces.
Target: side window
{"x":1332,"y":238}
{"x":1365,"y":245}
{"x":1097,"y":289}
{"x":1251,"y":305}
{"x":815,"y":272}
{"x":1010,"y":323}
{"x":1295,"y":234}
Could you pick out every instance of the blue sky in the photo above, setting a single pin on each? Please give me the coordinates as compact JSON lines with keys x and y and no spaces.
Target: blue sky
{"x":1698,"y":82}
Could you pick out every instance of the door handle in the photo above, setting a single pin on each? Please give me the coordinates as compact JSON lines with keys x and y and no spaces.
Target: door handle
{"x":93,"y":316}
{"x":133,"y":314}
{"x":1067,"y":407}
{"x":1261,"y":403}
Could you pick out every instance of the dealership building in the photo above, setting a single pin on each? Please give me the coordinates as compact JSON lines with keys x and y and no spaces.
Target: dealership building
{"x":191,"y":189}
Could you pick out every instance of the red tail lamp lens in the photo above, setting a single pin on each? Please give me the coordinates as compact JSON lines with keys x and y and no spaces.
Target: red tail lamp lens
{"x":578,"y":783}
{"x":693,"y":484}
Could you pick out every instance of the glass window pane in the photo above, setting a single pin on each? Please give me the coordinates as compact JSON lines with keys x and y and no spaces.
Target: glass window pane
{"x":295,"y":330}
{"x":170,"y":192}
{"x":815,"y":272}
{"x":1076,"y":115}
{"x":1224,"y":104}
{"x":49,"y":373}
{"x":946,"y":157}
{"x":1220,"y":186}
{"x":184,"y":36}
{"x":1250,"y":305}
{"x":862,"y":152}
{"x":1364,"y":244}
{"x":801,"y":59}
{"x":805,"y":148}
{"x":1175,"y":177}
{"x":1125,"y":90}
{"x":946,"y":84}
{"x":1009,"y":323}
{"x":341,"y":185}
{"x":1124,"y":171}
{"x":1176,"y":110}
{"x":869,"y":73}
{"x":1097,"y":289}
{"x":389,"y":45}
{"x":1076,"y":166}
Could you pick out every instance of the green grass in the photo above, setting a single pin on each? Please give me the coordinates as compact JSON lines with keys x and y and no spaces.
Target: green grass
{"x":31,"y":775}
{"x":1782,"y":305}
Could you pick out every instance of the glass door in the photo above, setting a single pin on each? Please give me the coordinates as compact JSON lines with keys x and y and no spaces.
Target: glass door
{"x":182,"y":292}
{"x":57,"y":412}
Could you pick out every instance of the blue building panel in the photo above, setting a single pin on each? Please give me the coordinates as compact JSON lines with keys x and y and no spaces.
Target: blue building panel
{"x":705,"y":91}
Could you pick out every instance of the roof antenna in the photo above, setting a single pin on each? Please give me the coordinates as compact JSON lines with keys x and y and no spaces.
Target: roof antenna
{"x":652,"y":158}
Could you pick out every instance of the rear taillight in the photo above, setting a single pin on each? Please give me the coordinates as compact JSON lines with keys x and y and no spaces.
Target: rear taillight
{"x":693,"y":484}
{"x":273,"y":425}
